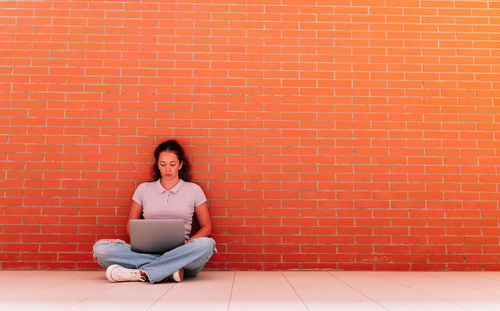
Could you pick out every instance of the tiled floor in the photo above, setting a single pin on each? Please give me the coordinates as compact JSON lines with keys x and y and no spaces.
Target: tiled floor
{"x":260,"y":291}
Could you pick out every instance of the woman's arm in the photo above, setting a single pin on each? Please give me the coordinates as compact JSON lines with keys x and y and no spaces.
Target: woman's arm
{"x":205,"y":223}
{"x":135,"y":213}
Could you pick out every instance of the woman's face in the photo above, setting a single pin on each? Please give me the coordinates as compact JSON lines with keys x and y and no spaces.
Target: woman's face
{"x":169,"y":165}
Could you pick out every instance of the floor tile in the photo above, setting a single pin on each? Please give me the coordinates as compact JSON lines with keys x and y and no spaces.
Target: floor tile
{"x":55,"y":290}
{"x":263,"y":291}
{"x":452,"y":290}
{"x":320,"y":290}
{"x":126,"y":295}
{"x":488,"y":282}
{"x":208,"y":291}
{"x":393,"y":295}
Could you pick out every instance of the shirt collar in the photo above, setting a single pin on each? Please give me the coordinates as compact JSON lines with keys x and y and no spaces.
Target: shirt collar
{"x":177,"y":187}
{"x":173,"y":190}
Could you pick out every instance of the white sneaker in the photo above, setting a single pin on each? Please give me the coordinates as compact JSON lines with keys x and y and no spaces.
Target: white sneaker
{"x":178,"y":275}
{"x":117,"y":273}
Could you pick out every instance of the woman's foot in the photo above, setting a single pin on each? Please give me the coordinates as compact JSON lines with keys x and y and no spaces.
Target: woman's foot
{"x":117,"y":273}
{"x":178,"y":275}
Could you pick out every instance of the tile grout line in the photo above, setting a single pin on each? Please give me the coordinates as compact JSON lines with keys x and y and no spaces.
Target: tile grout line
{"x":479,"y":289}
{"x":44,"y":288}
{"x":295,"y":290}
{"x":471,"y":286}
{"x":158,"y":299}
{"x":360,"y":292}
{"x":231,"y":292}
{"x":490,"y":277}
{"x":87,"y":298}
{"x":424,"y":292}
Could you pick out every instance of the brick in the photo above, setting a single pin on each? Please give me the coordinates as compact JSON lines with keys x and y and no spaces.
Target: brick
{"x":374,"y":258}
{"x":300,"y":257}
{"x":355,"y":266}
{"x":392,"y":267}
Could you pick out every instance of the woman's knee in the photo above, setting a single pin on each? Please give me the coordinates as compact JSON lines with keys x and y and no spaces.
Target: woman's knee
{"x":99,"y":248}
{"x":205,"y":244}
{"x":105,"y":246}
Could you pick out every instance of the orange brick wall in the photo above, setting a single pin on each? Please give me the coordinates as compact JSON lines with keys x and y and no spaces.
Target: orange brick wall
{"x":338,"y":134}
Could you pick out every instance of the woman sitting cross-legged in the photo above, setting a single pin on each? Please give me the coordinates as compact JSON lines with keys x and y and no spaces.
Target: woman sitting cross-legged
{"x":170,"y":196}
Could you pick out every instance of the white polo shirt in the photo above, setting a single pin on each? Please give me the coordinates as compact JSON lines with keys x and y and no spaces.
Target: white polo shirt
{"x":176,"y":203}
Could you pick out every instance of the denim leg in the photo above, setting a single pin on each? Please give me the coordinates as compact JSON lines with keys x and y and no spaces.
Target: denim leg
{"x":207,"y":250}
{"x":120,"y":253}
{"x":191,"y":256}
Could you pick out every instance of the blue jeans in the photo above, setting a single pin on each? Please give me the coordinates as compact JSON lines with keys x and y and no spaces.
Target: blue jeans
{"x":191,"y":256}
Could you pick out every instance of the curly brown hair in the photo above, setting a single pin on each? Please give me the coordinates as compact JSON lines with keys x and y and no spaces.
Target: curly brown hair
{"x":175,"y":147}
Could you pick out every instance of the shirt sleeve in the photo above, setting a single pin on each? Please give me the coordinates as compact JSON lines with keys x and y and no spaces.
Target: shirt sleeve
{"x":139,"y":194}
{"x":199,"y":196}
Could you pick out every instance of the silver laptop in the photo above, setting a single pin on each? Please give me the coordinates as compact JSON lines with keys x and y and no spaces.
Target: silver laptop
{"x":156,"y":236}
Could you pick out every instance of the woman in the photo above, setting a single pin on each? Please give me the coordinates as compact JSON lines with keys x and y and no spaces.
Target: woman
{"x":170,"y":195}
